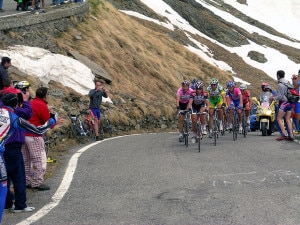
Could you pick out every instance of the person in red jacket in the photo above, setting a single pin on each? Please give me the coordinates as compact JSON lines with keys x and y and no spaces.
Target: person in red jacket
{"x":35,"y":159}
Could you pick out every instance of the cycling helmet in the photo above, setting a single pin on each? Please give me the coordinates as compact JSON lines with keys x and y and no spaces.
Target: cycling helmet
{"x":267,"y":87}
{"x":263,"y":85}
{"x":194,"y":81}
{"x":243,"y":86}
{"x":199,"y":85}
{"x":21,"y":84}
{"x":230,"y":84}
{"x":185,"y":82}
{"x":214,"y":81}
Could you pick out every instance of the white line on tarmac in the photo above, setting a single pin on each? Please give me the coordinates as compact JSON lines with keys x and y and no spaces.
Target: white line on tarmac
{"x":65,"y":184}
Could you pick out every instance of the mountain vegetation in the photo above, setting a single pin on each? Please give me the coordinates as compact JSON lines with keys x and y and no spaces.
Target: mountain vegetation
{"x":148,"y":62}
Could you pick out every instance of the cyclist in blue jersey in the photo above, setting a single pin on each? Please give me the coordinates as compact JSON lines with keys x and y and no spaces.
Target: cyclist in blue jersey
{"x":234,"y":100}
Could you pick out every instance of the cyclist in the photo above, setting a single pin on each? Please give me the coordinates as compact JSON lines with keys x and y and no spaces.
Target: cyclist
{"x":182,"y":99}
{"x":247,"y":102}
{"x":198,"y":103}
{"x":216,"y":95}
{"x":193,"y":84}
{"x":234,"y":100}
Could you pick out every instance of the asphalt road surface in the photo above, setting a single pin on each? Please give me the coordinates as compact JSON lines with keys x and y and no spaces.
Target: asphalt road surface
{"x":154,"y":179}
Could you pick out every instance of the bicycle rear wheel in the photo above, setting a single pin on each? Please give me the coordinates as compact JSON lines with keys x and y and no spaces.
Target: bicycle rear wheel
{"x":199,"y":135}
{"x":108,"y":126}
{"x":186,"y":132}
{"x":244,"y":126}
{"x":77,"y":131}
{"x":235,"y":126}
{"x":215,"y":132}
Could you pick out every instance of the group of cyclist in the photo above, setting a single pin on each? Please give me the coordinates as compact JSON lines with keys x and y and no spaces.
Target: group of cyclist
{"x":195,"y":98}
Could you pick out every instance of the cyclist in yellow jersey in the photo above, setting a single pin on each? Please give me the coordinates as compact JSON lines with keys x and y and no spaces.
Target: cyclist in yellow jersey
{"x":217,"y":97}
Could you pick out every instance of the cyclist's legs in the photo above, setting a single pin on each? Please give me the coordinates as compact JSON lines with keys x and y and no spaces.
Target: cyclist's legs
{"x":203,"y":117}
{"x":182,"y":106}
{"x":239,"y":111}
{"x":212,"y":104}
{"x":247,"y":109}
{"x":96,"y":115}
{"x":194,"y":121}
{"x":220,"y":111}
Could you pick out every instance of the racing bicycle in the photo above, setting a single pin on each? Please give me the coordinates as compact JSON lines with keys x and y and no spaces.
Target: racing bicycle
{"x":200,"y":128}
{"x":186,"y":126}
{"x":82,"y":126}
{"x":105,"y":125}
{"x":244,"y":123}
{"x":235,"y":124}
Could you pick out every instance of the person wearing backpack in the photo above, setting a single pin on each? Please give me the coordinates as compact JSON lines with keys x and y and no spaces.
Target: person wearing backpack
{"x":9,"y":123}
{"x":285,"y":108}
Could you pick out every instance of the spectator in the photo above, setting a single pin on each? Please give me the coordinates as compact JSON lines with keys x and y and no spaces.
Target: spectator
{"x":5,"y":64}
{"x":33,"y":6}
{"x":96,"y":95}
{"x":1,"y":5}
{"x":285,"y":108}
{"x":11,"y":122}
{"x":296,"y":108}
{"x":34,"y":150}
{"x":13,"y":155}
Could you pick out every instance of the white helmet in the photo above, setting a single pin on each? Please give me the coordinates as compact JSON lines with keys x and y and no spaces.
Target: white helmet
{"x":243,"y":86}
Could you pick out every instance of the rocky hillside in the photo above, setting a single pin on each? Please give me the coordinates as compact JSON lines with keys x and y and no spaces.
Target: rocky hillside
{"x":148,"y":62}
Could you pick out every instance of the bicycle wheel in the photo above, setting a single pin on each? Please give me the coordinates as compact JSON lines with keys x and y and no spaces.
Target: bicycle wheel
{"x":108,"y":126}
{"x":186,"y":132}
{"x":199,"y":135}
{"x":215,"y":132}
{"x":101,"y":131}
{"x":244,"y":124}
{"x":235,"y":126}
{"x":77,"y":131}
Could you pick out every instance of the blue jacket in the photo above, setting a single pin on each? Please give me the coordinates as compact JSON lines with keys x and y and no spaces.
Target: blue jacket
{"x":25,"y":112}
{"x":17,"y":123}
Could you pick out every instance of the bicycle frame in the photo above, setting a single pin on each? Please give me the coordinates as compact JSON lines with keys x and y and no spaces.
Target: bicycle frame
{"x":186,"y":126}
{"x":82,"y":128}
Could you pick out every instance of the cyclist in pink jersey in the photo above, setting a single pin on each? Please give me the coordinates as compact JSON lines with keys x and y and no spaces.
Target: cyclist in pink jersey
{"x":182,"y":99}
{"x":234,"y":100}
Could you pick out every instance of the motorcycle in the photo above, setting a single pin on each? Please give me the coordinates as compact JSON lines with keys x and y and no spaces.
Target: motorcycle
{"x":265,"y":113}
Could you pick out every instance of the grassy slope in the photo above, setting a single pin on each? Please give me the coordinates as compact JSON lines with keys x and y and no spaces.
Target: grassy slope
{"x":143,"y":63}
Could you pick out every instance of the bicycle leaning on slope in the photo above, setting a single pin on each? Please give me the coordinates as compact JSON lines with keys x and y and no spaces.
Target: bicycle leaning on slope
{"x":82,"y":126}
{"x":105,"y":125}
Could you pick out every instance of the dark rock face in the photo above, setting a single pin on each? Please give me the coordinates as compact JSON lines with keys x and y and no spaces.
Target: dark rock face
{"x":256,"y":56}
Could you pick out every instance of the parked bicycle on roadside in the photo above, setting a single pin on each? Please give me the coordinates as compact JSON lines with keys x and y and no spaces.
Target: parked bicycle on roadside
{"x":105,"y":124}
{"x":82,"y":126}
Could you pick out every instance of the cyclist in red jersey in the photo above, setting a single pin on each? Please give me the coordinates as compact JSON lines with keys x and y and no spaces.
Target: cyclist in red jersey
{"x":246,"y":95}
{"x":182,"y":100}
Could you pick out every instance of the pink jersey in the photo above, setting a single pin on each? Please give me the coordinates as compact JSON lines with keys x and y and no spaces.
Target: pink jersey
{"x":235,"y":95}
{"x":184,"y":96}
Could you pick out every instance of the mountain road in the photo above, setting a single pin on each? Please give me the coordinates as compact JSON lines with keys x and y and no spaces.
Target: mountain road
{"x":154,"y":179}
